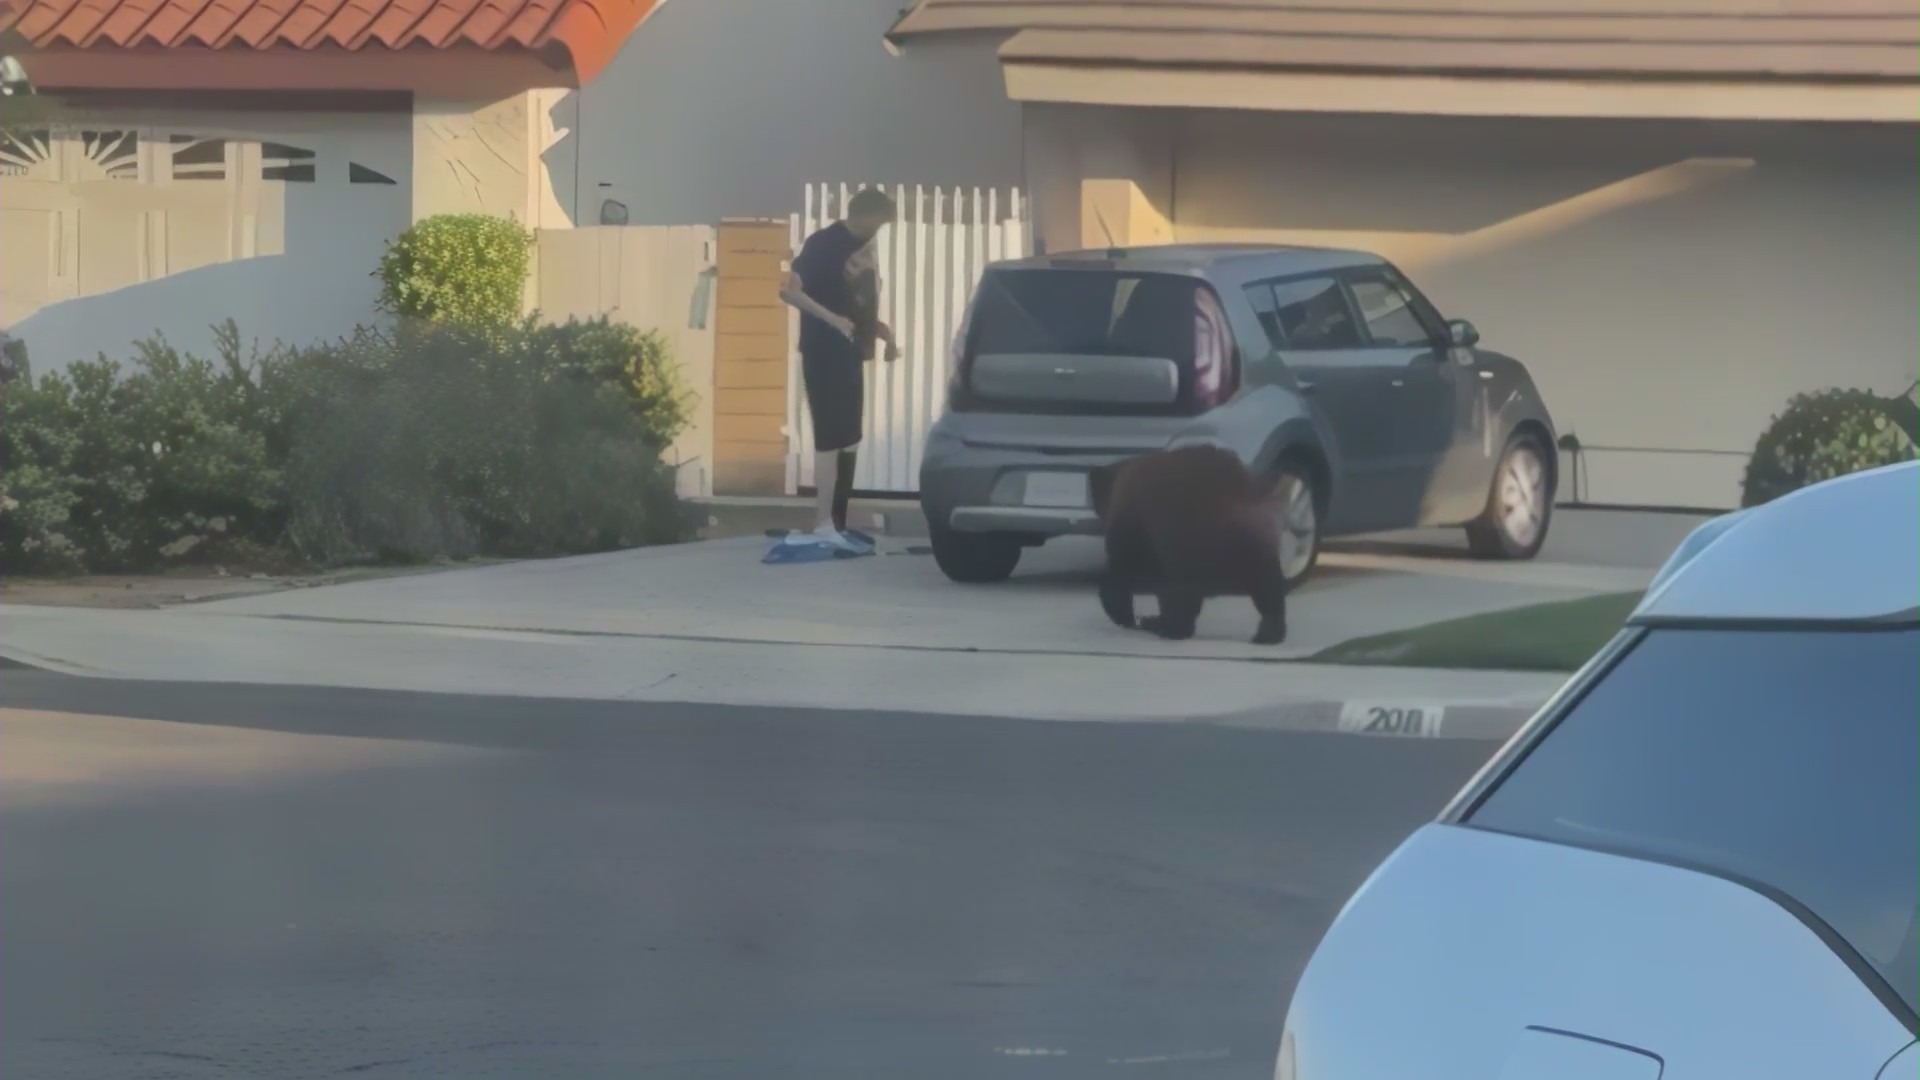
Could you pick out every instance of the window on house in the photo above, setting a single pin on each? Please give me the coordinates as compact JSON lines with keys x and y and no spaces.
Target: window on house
{"x":199,"y":158}
{"x":24,"y":149}
{"x":278,"y":161}
{"x":112,"y":155}
{"x":360,"y":174}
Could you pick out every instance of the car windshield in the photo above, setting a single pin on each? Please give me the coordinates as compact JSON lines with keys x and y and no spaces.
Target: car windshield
{"x":1083,"y":313}
{"x":1789,"y":759}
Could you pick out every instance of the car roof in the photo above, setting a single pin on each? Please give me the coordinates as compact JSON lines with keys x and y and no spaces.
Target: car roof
{"x":1846,"y":550}
{"x":1200,"y":258}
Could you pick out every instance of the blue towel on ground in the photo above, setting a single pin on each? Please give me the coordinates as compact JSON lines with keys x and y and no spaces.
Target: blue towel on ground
{"x":800,"y":547}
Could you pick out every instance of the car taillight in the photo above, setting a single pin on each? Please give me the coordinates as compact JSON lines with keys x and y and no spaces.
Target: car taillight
{"x":957,"y":396}
{"x":1213,"y":375}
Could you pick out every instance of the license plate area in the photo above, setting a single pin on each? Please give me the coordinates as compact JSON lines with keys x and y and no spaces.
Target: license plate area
{"x":1063,"y":490}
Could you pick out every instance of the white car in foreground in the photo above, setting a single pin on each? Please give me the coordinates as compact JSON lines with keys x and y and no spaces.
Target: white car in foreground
{"x":1700,"y":861}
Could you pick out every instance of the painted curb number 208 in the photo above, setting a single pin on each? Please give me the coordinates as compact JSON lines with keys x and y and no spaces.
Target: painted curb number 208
{"x":1395,"y":718}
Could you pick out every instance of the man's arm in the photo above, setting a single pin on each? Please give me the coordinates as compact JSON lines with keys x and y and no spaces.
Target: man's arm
{"x":794,"y":293}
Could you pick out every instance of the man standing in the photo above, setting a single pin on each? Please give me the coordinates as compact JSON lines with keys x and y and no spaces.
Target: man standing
{"x":835,"y":284}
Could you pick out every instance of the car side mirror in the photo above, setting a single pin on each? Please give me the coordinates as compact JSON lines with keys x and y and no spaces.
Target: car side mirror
{"x":1461,"y":334}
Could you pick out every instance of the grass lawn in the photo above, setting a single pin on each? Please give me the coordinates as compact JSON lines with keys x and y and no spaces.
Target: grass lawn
{"x":1557,"y":636}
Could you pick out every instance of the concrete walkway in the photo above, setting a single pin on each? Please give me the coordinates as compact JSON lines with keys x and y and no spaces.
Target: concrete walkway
{"x":708,"y":623}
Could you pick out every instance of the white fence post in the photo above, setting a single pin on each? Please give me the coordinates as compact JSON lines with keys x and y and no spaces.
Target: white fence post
{"x":930,"y":262}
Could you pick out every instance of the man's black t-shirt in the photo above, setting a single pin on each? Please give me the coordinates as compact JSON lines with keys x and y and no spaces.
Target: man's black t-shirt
{"x":835,"y":279}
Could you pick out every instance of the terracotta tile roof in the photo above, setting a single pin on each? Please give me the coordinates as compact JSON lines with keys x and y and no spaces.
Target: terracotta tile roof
{"x":1789,"y":39}
{"x":590,"y":31}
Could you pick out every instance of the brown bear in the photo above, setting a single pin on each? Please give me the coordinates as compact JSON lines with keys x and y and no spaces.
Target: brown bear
{"x":1188,"y":524}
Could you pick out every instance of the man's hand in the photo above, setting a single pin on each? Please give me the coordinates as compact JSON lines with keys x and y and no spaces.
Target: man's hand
{"x":794,"y":293}
{"x":885,"y":334}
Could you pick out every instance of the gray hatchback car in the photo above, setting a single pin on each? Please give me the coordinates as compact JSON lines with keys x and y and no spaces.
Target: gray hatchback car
{"x":1327,"y":369}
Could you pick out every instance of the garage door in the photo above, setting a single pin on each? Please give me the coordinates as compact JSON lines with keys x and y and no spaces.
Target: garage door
{"x":114,"y":232}
{"x":1669,"y":285}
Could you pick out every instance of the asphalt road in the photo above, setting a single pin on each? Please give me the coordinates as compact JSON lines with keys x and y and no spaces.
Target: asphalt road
{"x":287,"y":883}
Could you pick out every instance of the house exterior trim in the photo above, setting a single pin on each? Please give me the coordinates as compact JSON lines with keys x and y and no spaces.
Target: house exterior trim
{"x":1804,"y":40}
{"x":1098,"y":84}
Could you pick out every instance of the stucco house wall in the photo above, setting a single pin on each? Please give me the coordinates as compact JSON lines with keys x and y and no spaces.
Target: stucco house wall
{"x":1669,"y":283}
{"x":726,"y":108}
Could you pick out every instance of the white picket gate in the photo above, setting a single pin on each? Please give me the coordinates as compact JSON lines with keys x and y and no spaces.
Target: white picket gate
{"x":930,"y":260}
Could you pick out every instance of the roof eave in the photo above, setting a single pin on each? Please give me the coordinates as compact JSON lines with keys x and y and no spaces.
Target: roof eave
{"x":450,"y":72}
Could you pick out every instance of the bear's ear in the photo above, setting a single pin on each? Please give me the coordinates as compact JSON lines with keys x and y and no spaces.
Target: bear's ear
{"x":1100,"y":488}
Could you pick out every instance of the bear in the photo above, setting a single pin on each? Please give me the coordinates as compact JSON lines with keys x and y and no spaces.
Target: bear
{"x":1187,"y":524}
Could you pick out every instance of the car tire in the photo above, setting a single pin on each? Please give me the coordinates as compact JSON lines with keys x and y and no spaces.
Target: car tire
{"x":975,"y":558}
{"x":1519,"y":504}
{"x":1299,"y":509}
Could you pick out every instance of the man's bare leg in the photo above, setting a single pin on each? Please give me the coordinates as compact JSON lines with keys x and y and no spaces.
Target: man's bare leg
{"x":843,"y":486}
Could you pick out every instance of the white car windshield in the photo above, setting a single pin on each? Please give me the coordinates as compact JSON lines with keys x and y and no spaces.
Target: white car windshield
{"x":1787,"y":760}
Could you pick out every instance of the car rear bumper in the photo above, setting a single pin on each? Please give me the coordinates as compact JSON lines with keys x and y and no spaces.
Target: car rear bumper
{"x":974,"y":468}
{"x":1031,"y":520}
{"x":979,"y":490}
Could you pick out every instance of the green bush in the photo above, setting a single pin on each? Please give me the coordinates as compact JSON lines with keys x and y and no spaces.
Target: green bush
{"x":458,"y":268}
{"x":449,"y":441}
{"x":13,"y":359}
{"x":427,"y":441}
{"x":38,"y":485}
{"x":638,"y":362}
{"x":1821,"y":435}
{"x":115,"y":469}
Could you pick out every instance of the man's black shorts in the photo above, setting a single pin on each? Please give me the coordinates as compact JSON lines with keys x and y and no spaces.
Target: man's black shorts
{"x":836,"y":395}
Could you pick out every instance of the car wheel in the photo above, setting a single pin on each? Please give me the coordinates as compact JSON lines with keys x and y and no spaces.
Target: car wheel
{"x":1299,"y":512}
{"x":1519,"y":504}
{"x":975,"y":558}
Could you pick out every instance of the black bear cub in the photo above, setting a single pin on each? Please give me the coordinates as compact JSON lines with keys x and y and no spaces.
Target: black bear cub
{"x":1187,"y":524}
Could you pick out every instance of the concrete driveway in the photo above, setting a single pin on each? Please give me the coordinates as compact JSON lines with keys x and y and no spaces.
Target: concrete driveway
{"x":707,"y":622}
{"x":719,"y":590}
{"x":1580,"y":535}
{"x":1628,"y":539}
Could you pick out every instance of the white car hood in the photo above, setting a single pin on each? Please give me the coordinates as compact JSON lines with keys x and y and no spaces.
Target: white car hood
{"x":1471,"y":955}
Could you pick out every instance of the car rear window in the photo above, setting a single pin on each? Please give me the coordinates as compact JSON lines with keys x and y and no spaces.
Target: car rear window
{"x":1084,"y":313}
{"x":1785,"y":759}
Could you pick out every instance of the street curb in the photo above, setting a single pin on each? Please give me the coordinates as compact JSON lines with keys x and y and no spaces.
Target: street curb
{"x":1385,"y":719}
{"x":1400,"y":718}
{"x":17,"y":659}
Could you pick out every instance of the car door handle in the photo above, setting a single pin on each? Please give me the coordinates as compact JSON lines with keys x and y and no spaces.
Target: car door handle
{"x":1399,"y":382}
{"x":1307,"y":387}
